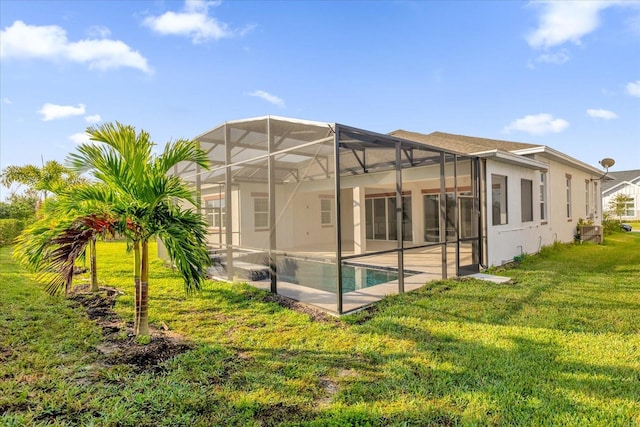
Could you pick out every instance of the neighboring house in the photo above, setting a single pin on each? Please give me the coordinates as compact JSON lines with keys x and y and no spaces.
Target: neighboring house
{"x":623,"y":182}
{"x":404,"y":208}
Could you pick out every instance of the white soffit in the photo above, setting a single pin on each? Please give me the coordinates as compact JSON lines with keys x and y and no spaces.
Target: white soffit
{"x":506,"y":157}
{"x":559,"y":156}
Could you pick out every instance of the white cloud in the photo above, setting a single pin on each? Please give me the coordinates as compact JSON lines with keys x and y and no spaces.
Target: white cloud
{"x":7,"y":101}
{"x":80,"y":138}
{"x":566,"y":21}
{"x":633,"y":88}
{"x":53,"y":111}
{"x":50,"y":42}
{"x":106,"y":54}
{"x":537,"y":124}
{"x":268,"y":97}
{"x":554,"y":58}
{"x":194,"y":22}
{"x":601,"y":114}
{"x":99,"y":32}
{"x":93,"y":119}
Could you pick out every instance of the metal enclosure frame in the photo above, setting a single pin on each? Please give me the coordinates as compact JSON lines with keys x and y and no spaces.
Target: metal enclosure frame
{"x":292,"y":162}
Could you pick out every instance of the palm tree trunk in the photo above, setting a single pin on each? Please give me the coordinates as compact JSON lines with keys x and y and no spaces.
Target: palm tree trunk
{"x":143,"y":323}
{"x":136,"y":284}
{"x":93,"y":265}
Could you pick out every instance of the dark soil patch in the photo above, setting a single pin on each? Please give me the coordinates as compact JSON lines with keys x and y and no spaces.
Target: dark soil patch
{"x":120,"y":345}
{"x":315,"y":314}
{"x":279,"y":413}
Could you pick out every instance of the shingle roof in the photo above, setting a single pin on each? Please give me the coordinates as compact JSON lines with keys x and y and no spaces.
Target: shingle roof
{"x":461,"y":143}
{"x":618,"y":177}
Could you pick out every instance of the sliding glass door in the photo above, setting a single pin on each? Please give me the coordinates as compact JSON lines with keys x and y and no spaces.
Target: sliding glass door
{"x":382,"y":221}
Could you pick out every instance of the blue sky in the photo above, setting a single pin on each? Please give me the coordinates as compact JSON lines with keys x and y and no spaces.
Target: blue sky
{"x":562,"y":74}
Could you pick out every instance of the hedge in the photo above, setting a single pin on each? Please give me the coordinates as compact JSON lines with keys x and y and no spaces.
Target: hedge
{"x":9,"y":230}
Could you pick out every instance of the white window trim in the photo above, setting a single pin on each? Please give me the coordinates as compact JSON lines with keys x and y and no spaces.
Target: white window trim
{"x":257,"y":213}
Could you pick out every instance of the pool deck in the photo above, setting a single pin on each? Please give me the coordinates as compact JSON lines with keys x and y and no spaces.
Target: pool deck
{"x":351,"y":301}
{"x":426,"y":261}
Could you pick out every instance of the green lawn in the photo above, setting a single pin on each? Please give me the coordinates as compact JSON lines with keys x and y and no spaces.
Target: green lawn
{"x":560,"y":346}
{"x":634,"y":224}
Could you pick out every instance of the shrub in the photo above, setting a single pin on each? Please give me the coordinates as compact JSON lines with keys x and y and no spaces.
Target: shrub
{"x":609,"y":223}
{"x":9,"y":230}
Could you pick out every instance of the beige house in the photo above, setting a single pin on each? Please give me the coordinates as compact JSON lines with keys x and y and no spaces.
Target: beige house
{"x":338,"y":217}
{"x":532,"y":194}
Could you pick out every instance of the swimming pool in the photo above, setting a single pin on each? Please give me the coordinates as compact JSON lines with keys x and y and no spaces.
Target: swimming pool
{"x":322,"y":275}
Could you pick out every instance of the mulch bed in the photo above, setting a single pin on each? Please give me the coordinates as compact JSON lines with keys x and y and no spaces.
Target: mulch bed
{"x":119,"y":345}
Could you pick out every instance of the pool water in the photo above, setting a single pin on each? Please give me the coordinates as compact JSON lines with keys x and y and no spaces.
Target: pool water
{"x":322,"y":276}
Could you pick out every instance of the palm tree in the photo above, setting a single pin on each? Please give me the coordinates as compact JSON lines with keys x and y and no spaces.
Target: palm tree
{"x":52,"y":244}
{"x":145,"y":202}
{"x":53,"y":178}
{"x":50,"y":178}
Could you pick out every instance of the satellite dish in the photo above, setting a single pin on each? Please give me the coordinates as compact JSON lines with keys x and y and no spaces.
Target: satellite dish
{"x":607,"y":162}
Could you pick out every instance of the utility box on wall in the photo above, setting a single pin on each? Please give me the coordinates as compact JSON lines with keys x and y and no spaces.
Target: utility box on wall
{"x":591,"y":233}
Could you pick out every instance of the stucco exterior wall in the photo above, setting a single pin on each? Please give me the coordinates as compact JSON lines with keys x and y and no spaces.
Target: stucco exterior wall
{"x":506,"y":241}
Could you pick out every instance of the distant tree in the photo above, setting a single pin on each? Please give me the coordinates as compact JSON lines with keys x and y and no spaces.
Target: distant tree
{"x":52,"y":177}
{"x":20,"y":206}
{"x":618,"y":204}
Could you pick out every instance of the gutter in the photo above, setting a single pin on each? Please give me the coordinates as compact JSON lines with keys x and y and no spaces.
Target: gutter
{"x":559,"y":156}
{"x":507,"y":157}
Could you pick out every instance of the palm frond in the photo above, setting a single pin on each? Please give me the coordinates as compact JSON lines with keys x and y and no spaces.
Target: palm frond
{"x":183,"y":233}
{"x":66,"y":247}
{"x":33,"y":245}
{"x":181,"y":150}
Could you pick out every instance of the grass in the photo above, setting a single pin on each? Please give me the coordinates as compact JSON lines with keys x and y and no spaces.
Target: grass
{"x":635,"y":224}
{"x":560,"y":346}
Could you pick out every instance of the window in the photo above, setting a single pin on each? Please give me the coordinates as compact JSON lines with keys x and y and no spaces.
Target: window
{"x":526,"y":201}
{"x":431,"y":217}
{"x":381,"y":217}
{"x":431,"y":204}
{"x":368,"y":211}
{"x":587,"y":202}
{"x":326,"y":217}
{"x":215,"y":212}
{"x":543,"y":196}
{"x":261,"y":212}
{"x":568,"y":186}
{"x":407,"y":219}
{"x":630,"y":209}
{"x":499,"y":199}
{"x":596,"y":198}
{"x":392,"y":219}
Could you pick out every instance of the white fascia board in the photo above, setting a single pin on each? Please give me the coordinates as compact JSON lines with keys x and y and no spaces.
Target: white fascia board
{"x":561,"y":157}
{"x":507,"y":157}
{"x":618,"y":186}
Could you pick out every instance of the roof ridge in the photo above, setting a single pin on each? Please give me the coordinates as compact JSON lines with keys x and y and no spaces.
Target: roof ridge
{"x":481,"y":138}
